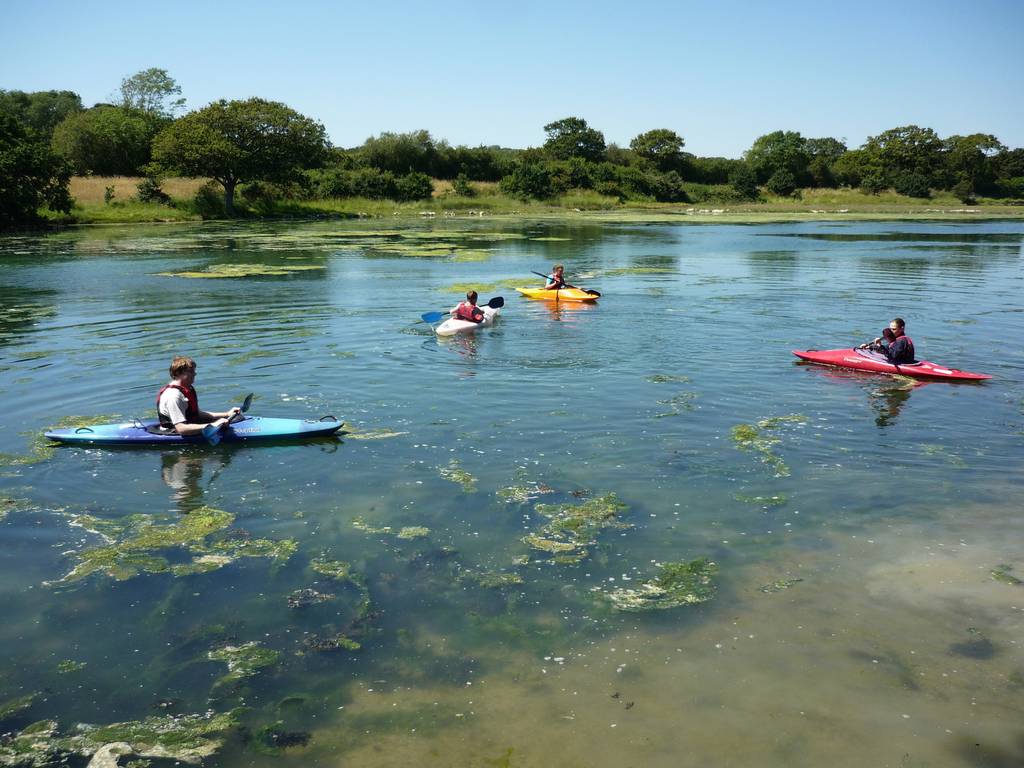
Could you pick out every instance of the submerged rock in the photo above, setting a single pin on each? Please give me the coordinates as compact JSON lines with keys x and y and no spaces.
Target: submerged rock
{"x":678,"y":584}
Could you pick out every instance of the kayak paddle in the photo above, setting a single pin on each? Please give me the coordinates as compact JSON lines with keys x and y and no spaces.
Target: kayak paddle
{"x":212,"y":433}
{"x":432,"y":317}
{"x":585,"y":290}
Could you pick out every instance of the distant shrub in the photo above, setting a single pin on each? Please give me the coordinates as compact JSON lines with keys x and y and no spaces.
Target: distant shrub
{"x":108,"y":195}
{"x":414,"y":186}
{"x":963,"y":191}
{"x":209,"y":201}
{"x":873,"y":182}
{"x":712,"y":193}
{"x":528,"y":180}
{"x":912,"y":184}
{"x":744,"y":182}
{"x":1011,"y":187}
{"x":462,"y":187}
{"x":150,"y":191}
{"x":782,"y":183}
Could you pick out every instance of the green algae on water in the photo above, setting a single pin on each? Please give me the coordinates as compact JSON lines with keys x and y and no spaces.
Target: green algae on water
{"x":762,"y":437}
{"x":134,"y":543}
{"x":42,"y":448}
{"x":69,"y":666}
{"x":243,"y":660}
{"x":519,"y":494}
{"x":665,"y":378}
{"x":573,"y":528}
{"x":185,"y":738}
{"x":1002,"y":574}
{"x":222,"y":271}
{"x":456,"y":474}
{"x":678,"y":584}
{"x":413,"y":532}
{"x":492,"y":579}
{"x":381,"y":433}
{"x":14,"y":706}
{"x":776,"y":500}
{"x":779,"y":585}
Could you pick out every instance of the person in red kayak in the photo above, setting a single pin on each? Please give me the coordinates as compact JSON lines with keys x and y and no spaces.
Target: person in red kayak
{"x":556,"y":280}
{"x":468,"y":310}
{"x":894,"y":343}
{"x":177,"y":405}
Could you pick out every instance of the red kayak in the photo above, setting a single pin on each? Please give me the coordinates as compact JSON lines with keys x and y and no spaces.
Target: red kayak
{"x":864,"y":360}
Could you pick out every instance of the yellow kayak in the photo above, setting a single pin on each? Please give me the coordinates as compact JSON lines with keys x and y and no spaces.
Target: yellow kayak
{"x":562,"y":294}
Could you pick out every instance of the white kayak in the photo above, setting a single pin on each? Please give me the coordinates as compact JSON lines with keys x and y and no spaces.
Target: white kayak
{"x":452,"y":325}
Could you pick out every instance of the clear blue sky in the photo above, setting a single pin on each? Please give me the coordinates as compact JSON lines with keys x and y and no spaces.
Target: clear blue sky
{"x":718,"y":73}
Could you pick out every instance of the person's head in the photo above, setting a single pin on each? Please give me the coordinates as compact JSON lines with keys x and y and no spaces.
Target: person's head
{"x":471,"y":297}
{"x":183,"y":369}
{"x":888,"y":335}
{"x":557,"y":269}
{"x":897,"y":325}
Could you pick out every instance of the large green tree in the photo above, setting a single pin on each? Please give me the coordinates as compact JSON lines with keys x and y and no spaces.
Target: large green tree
{"x":153,"y":92}
{"x":400,"y":153}
{"x":908,"y":149}
{"x":572,"y":137}
{"x":823,"y":152}
{"x":106,"y":140}
{"x":779,"y":151}
{"x":31,"y":174}
{"x":661,"y":146}
{"x":234,"y":142}
{"x":40,"y":110}
{"x":970,"y":159}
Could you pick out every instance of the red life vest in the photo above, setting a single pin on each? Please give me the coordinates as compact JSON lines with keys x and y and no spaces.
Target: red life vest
{"x":191,"y":412}
{"x":469,"y":312}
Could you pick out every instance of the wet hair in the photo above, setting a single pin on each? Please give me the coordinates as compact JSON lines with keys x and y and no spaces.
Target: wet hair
{"x":181,"y":365}
{"x":471,"y":297}
{"x":899,"y":322}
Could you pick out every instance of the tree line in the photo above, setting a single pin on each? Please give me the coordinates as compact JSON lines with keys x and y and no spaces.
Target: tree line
{"x":266,"y":150}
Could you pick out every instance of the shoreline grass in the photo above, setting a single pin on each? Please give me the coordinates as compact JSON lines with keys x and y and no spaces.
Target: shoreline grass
{"x":812,"y":204}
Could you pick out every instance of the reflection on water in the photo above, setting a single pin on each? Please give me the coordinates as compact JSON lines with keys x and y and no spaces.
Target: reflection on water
{"x":415,"y":592}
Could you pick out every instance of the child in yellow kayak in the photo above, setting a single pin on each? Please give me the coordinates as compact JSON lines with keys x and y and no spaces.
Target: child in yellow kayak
{"x":556,"y":280}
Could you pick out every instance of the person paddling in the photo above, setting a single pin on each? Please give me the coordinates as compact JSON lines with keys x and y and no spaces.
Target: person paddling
{"x":556,"y":280}
{"x":897,"y":347}
{"x":177,"y":405}
{"x":468,"y":310}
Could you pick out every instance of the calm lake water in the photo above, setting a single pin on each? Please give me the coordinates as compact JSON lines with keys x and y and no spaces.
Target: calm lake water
{"x":867,"y":549}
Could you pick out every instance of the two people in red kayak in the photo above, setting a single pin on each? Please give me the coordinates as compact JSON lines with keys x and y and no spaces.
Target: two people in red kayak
{"x":894,"y":343}
{"x":177,"y":404}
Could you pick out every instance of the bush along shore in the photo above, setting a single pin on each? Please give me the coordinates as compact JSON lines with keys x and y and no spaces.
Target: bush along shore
{"x":259,"y":158}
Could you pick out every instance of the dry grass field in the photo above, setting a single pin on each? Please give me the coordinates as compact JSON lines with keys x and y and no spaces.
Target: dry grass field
{"x":89,"y":190}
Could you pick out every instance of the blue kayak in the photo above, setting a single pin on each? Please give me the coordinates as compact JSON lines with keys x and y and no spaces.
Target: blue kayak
{"x":149,"y":432}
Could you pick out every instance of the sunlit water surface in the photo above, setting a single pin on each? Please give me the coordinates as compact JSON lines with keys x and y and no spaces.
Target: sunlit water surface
{"x":856,"y":620}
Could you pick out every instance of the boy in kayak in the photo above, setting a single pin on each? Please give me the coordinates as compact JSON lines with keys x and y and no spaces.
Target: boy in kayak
{"x":177,"y":405}
{"x":894,"y":343}
{"x":556,"y":280}
{"x":468,"y":310}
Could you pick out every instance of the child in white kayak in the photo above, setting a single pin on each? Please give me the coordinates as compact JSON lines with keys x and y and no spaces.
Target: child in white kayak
{"x":177,"y":404}
{"x":468,"y":310}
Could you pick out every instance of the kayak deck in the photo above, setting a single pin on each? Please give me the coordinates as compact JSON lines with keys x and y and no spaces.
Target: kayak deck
{"x":562,"y":294}
{"x":148,"y":432}
{"x":864,"y":360}
{"x":454,"y":325}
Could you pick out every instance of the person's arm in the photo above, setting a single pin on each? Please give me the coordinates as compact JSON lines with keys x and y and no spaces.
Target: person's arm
{"x":185,"y":429}
{"x":207,"y":416}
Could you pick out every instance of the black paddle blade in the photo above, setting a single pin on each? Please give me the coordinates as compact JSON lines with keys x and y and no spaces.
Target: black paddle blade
{"x":247,"y":402}
{"x":496,"y":303}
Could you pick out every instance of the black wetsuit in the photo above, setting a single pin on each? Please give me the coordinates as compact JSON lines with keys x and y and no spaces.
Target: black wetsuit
{"x":900,"y":351}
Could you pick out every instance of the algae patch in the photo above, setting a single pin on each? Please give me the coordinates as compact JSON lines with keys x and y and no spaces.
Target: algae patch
{"x":185,"y":738}
{"x":762,"y":437}
{"x":222,"y":271}
{"x":1001,"y":573}
{"x":243,"y":660}
{"x":456,"y":474}
{"x":69,"y":666}
{"x":134,"y":546}
{"x":42,"y":448}
{"x":573,"y":528}
{"x":678,"y":584}
{"x":779,"y":585}
{"x":381,"y":433}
